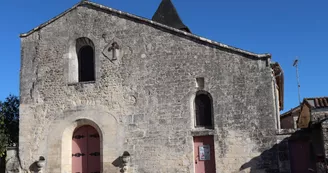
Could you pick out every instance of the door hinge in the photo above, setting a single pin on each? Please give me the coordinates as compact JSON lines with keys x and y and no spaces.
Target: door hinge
{"x":95,"y":154}
{"x":78,"y":154}
{"x":94,"y":136}
{"x":78,"y":136}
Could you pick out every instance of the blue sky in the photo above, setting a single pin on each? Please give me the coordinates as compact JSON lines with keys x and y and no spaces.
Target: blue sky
{"x":285,"y":29}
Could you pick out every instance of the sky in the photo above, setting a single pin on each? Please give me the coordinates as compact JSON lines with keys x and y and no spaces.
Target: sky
{"x":285,"y":29}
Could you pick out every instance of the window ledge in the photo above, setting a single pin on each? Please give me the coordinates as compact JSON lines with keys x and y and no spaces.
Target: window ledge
{"x":202,"y":131}
{"x":286,"y":131}
{"x":81,"y":83}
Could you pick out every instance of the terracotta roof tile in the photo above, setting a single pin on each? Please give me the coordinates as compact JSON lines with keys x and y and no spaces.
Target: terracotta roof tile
{"x":319,"y":102}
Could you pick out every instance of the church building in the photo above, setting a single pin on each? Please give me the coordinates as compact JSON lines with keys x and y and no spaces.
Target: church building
{"x":105,"y":91}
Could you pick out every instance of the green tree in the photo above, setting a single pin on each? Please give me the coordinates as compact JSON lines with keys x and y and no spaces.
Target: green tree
{"x":9,"y":122}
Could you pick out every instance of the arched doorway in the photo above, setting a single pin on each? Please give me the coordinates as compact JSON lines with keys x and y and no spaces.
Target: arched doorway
{"x":85,"y":150}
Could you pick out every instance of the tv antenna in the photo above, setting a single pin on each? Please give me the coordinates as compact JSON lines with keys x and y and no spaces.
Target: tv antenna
{"x":295,"y":64}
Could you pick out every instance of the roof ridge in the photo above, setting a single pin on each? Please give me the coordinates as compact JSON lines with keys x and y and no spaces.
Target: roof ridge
{"x":291,"y":110}
{"x":310,"y":98}
{"x":52,"y":19}
{"x":184,"y":33}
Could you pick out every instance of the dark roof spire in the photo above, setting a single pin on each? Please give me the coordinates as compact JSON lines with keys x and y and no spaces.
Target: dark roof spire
{"x":167,"y":14}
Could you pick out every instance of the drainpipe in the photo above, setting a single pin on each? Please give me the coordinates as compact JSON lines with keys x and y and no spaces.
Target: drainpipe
{"x":276,"y":100}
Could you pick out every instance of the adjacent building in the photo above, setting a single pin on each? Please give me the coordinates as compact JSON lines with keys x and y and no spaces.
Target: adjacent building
{"x":288,"y":120}
{"x":307,"y":137}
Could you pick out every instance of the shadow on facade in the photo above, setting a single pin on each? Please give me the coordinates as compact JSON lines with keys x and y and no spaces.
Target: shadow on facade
{"x":34,"y":168}
{"x":122,"y":162}
{"x":118,"y":162}
{"x":298,"y":152}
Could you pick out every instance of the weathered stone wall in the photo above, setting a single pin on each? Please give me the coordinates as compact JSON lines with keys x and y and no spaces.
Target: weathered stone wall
{"x":324,"y":130}
{"x":12,"y":164}
{"x":142,"y":103}
{"x":282,"y":149}
{"x":319,"y":114}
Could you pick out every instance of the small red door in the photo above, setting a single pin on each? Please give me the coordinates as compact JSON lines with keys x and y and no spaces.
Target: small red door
{"x":300,"y":158}
{"x":86,"y":150}
{"x":204,"y":154}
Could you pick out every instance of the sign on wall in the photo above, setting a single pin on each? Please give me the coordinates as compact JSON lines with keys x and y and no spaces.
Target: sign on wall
{"x":204,"y":152}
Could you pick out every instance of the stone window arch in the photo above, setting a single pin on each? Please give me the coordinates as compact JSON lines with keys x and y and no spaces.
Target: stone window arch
{"x":86,"y":59}
{"x":203,"y":110}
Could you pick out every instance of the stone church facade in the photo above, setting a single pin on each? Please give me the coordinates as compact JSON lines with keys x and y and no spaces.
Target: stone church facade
{"x":152,"y":93}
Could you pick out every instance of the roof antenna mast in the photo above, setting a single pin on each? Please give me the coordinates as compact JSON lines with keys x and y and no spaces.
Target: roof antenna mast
{"x":295,"y":64}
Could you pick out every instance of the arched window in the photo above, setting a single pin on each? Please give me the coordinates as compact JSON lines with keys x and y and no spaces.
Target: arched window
{"x":86,"y":60}
{"x":203,"y":108}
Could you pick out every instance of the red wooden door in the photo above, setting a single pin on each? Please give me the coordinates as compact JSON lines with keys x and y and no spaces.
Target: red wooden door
{"x":86,"y":150}
{"x":300,"y":158}
{"x":93,"y":151}
{"x":204,"y":154}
